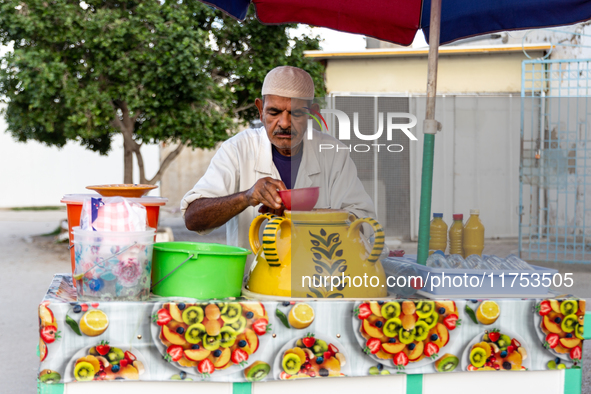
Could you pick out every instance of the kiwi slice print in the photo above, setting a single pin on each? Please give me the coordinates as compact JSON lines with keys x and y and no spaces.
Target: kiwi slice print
{"x":193,"y":315}
{"x":291,"y":363}
{"x":232,"y":313}
{"x":84,"y":371}
{"x":390,"y":310}
{"x":228,"y":336}
{"x":194,"y":333}
{"x":425,"y":308}
{"x":257,"y":371}
{"x":239,"y":325}
{"x":211,"y":343}
{"x":421,"y":331}
{"x":391,"y":327}
{"x":478,"y":357}
{"x":447,"y":363}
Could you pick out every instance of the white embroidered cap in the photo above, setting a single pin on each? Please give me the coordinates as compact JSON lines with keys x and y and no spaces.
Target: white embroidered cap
{"x":287,"y":81}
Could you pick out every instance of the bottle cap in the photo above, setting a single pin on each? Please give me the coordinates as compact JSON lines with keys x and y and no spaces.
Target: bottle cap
{"x":439,"y":252}
{"x":458,"y":216}
{"x":475,"y":212}
{"x":437,"y":215}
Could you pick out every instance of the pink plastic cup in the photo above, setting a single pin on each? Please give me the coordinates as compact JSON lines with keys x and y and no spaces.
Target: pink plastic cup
{"x":303,"y":199}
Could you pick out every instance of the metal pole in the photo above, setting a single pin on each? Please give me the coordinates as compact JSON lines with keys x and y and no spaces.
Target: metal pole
{"x":430,"y":128}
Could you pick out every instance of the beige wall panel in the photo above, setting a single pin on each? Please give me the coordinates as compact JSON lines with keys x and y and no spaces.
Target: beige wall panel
{"x":484,"y":73}
{"x":183,"y":173}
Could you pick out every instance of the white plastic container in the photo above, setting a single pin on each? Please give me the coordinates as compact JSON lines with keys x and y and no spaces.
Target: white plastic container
{"x":113,"y":266}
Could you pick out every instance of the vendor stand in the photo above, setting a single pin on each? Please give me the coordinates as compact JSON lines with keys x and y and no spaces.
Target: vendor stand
{"x":127,"y":332}
{"x":526,"y":340}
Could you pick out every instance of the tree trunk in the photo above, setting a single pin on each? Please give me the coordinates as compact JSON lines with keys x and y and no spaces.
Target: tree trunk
{"x":129,"y":144}
{"x":140,"y":164}
{"x":126,"y":125}
{"x":127,"y":162}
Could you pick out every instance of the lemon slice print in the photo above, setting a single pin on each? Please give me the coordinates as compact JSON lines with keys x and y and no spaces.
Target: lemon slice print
{"x":94,"y":323}
{"x":301,"y":316}
{"x":488,"y":312}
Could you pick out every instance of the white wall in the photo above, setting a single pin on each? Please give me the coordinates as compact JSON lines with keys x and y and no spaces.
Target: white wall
{"x":32,"y":174}
{"x":476,"y":161}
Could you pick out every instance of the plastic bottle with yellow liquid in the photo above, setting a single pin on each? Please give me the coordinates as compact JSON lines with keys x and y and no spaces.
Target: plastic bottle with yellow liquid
{"x":473,"y":234}
{"x":456,"y":235}
{"x":437,"y":234}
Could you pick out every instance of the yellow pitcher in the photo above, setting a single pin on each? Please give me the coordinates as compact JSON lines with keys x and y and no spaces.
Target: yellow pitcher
{"x":329,"y":257}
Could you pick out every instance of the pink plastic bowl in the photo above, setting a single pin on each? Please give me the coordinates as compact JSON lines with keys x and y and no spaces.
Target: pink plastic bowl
{"x":300,"y":199}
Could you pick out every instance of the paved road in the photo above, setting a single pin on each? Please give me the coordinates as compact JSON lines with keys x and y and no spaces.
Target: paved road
{"x":28,"y":263}
{"x":27,"y":269}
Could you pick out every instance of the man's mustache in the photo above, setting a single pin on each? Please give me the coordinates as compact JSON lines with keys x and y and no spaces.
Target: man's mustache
{"x":281,"y":131}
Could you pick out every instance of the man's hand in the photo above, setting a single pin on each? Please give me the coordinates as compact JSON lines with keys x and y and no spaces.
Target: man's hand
{"x":264,"y":191}
{"x":277,"y":212}
{"x":207,"y":213}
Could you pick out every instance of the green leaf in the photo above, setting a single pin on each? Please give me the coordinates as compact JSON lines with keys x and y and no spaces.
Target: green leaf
{"x":315,"y":292}
{"x":319,"y":238}
{"x":333,"y":247}
{"x":323,"y":265}
{"x":282,"y":317}
{"x":323,"y":251}
{"x":331,"y":236}
{"x":471,"y":314}
{"x":335,"y":265}
{"x":73,"y":325}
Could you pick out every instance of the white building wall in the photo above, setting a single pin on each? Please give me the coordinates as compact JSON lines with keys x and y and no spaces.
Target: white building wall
{"x":33,"y":174}
{"x":476,"y":162}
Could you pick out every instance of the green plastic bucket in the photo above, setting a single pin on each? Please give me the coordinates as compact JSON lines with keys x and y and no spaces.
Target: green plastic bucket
{"x":197,"y":270}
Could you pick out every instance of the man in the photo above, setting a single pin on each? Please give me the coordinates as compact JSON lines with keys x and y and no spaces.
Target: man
{"x":253,"y":165}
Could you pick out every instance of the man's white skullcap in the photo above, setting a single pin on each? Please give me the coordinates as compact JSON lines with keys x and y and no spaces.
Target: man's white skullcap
{"x":287,"y":81}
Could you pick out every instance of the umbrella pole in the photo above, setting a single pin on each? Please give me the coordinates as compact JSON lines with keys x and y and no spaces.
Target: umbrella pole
{"x":429,"y":128}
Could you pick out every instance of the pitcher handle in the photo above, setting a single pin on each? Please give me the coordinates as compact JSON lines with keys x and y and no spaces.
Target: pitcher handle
{"x":379,"y":237}
{"x":270,"y":238}
{"x":253,"y":231}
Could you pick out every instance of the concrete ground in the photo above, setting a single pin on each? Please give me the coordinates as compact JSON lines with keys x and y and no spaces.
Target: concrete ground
{"x":28,"y":263}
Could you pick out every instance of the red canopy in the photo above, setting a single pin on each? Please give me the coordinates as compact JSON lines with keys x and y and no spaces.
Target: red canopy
{"x":402,"y":16}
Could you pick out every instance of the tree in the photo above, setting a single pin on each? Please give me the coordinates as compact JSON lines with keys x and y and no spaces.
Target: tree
{"x":154,"y":71}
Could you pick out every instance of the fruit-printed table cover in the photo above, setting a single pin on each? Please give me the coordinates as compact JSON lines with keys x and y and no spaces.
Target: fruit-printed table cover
{"x":242,"y":340}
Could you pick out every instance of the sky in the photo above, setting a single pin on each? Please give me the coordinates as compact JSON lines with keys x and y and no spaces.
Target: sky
{"x":338,"y":41}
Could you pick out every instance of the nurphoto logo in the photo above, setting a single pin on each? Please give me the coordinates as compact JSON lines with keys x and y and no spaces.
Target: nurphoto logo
{"x":392,"y":124}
